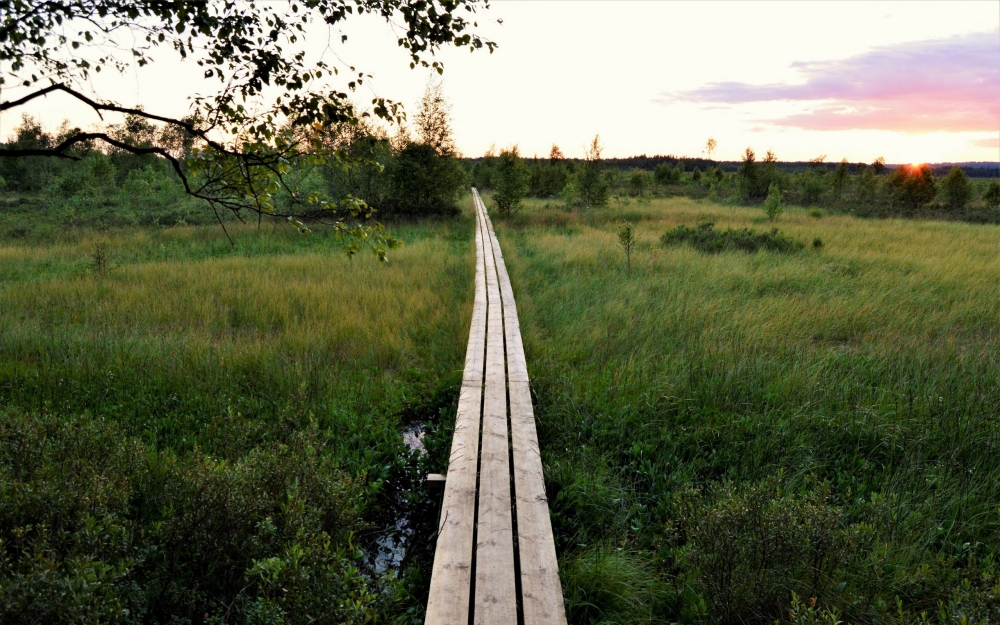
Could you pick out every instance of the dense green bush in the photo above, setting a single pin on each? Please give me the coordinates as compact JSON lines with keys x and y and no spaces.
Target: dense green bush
{"x":957,"y":189}
{"x":667,"y":174}
{"x":510,"y":181}
{"x":755,"y":179}
{"x":589,"y":187}
{"x":912,"y":187}
{"x":991,"y":197}
{"x":96,"y":527}
{"x":751,"y":546}
{"x":424,"y":183}
{"x":706,"y":238}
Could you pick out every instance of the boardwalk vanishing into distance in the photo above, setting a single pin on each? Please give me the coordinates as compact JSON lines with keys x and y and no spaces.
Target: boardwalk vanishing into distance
{"x":495,"y":559}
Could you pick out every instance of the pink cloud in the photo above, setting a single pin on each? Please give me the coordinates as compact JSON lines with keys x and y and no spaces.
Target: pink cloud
{"x":987,"y":143}
{"x":922,"y":86}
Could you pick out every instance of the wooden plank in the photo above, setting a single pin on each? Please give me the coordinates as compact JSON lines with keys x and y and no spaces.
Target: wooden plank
{"x":451,"y":575}
{"x":541,"y":600}
{"x":496,"y":596}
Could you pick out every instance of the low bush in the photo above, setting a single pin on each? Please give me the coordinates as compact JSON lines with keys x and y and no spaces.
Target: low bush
{"x":96,"y":527}
{"x":706,"y":238}
{"x":753,"y":546}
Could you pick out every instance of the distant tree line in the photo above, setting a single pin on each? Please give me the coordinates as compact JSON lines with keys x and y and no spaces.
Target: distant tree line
{"x":865,"y":189}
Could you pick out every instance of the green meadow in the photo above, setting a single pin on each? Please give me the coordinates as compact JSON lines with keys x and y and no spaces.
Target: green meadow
{"x":213,"y":429}
{"x":721,"y":431}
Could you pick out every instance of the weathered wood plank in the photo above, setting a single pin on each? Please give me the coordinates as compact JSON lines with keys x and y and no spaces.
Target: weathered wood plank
{"x":541,"y":590}
{"x":451,"y":575}
{"x":496,"y":596}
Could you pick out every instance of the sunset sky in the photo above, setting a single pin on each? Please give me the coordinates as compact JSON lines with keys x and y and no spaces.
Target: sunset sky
{"x":910,"y":81}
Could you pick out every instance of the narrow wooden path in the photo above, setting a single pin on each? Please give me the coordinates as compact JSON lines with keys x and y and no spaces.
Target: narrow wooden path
{"x":495,"y":560}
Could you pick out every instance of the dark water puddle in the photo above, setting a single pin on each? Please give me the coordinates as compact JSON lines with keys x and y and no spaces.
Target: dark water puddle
{"x":396,"y":522}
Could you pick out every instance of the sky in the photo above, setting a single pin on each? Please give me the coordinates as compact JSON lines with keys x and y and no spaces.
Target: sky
{"x":908,"y":81}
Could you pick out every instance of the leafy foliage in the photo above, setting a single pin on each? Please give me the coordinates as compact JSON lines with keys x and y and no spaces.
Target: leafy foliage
{"x":957,"y":189}
{"x":243,"y":143}
{"x":432,"y":120}
{"x":772,"y":205}
{"x":424,"y":183}
{"x":992,"y":195}
{"x":591,"y":184}
{"x":913,"y":186}
{"x":510,"y":181}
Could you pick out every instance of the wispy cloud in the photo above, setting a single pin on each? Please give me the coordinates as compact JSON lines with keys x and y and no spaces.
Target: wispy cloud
{"x":987,"y":143}
{"x":922,"y":86}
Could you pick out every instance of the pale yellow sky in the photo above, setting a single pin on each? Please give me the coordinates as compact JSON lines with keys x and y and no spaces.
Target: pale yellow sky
{"x":641,"y":75}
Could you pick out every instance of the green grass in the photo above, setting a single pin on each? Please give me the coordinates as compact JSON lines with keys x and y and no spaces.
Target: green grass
{"x":722,"y":430}
{"x":210,"y":432}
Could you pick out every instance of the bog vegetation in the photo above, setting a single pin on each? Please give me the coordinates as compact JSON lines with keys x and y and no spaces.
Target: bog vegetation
{"x":738,"y":426}
{"x":735,"y":437}
{"x":193,"y":430}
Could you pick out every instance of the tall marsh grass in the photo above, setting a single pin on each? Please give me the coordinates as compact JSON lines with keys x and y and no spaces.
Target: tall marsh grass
{"x":205,"y":432}
{"x":753,"y":425}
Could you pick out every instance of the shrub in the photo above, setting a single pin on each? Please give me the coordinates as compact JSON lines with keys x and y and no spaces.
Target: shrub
{"x":627,"y":240}
{"x":706,"y":238}
{"x":992,"y":196}
{"x":840,"y":176}
{"x":665,"y":174}
{"x":753,"y":547}
{"x":957,"y":189}
{"x":913,"y":186}
{"x":510,"y":181}
{"x":549,"y":177}
{"x":95,"y":528}
{"x":753,"y":179}
{"x":817,"y":243}
{"x":591,"y":183}
{"x":425,"y":182}
{"x":772,"y":205}
{"x":638,"y":182}
{"x":813,"y":188}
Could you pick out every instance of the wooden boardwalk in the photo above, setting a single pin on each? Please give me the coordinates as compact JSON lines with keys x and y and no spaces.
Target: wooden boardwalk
{"x":495,"y":559}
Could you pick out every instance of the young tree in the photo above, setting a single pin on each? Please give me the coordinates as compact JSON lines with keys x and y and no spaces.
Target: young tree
{"x":913,"y":186}
{"x":423,"y":183}
{"x":878,"y":165}
{"x":257,"y":128}
{"x":592,"y":184}
{"x":627,"y":240}
{"x":664,"y":173}
{"x":956,"y":188}
{"x":840,"y":178}
{"x":510,"y":181}
{"x":772,"y":205}
{"x":748,"y":176}
{"x":710,"y":146}
{"x":638,"y":180}
{"x":484,"y":171}
{"x":992,"y":195}
{"x":433,"y":121}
